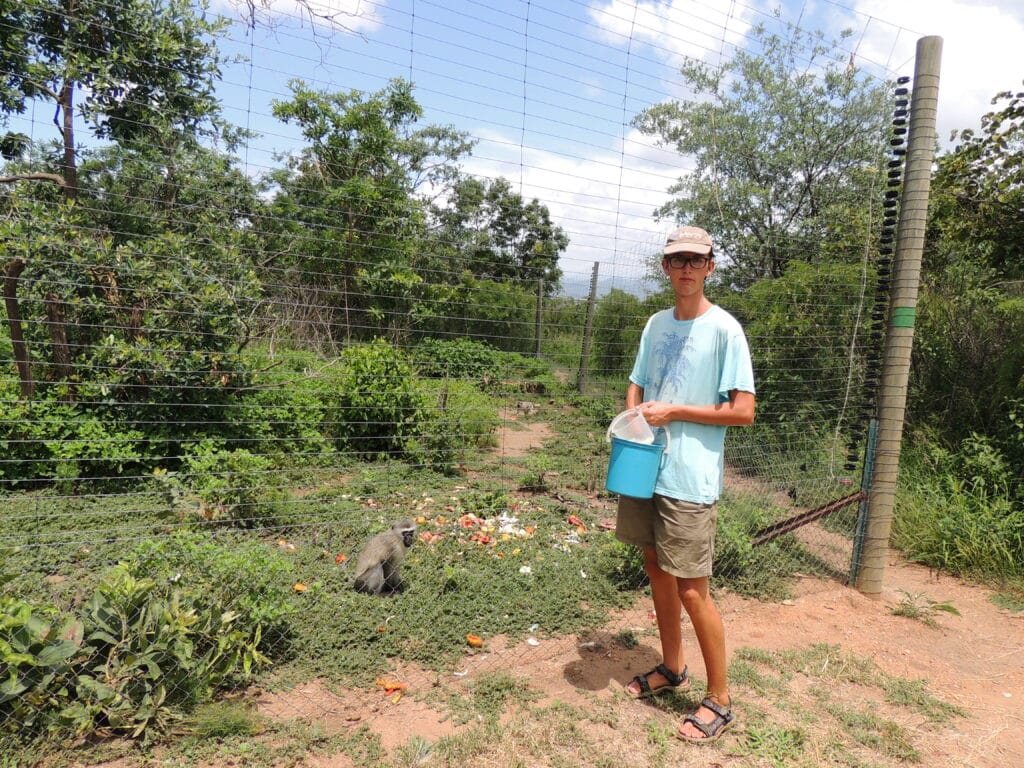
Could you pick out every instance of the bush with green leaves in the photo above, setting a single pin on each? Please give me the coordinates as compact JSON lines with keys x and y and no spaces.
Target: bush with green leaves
{"x":37,"y":648}
{"x":814,"y":307}
{"x":501,"y":312}
{"x":460,"y":420}
{"x":285,"y":418}
{"x":954,"y":511}
{"x":231,"y":485}
{"x":376,"y":407}
{"x":461,"y":358}
{"x":51,"y":441}
{"x":179,"y":619}
{"x":618,"y":322}
{"x":243,"y":575}
{"x":155,"y":653}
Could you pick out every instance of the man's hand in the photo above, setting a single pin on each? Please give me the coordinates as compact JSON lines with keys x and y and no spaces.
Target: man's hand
{"x":656,"y":413}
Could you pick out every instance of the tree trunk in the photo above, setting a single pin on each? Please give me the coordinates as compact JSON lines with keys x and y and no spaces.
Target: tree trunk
{"x":12,"y":271}
{"x":70,"y":165}
{"x":56,"y":321}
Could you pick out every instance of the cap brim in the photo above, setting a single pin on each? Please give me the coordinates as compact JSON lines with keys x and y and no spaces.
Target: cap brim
{"x":687,"y":247}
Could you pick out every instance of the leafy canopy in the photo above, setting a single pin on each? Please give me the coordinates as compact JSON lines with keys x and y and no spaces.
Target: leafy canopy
{"x":783,"y":145}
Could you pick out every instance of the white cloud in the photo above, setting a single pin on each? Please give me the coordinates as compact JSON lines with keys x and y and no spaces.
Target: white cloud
{"x":605,"y":202}
{"x":981,"y":49}
{"x":676,"y":29}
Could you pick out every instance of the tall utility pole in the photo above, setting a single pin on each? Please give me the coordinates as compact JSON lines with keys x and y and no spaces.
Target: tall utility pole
{"x":892,"y":393}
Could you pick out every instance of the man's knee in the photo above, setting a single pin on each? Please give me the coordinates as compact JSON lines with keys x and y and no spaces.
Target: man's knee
{"x":693,"y":593}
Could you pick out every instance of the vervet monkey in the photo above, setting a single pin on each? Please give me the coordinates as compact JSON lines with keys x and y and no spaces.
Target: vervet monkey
{"x":377,"y":566}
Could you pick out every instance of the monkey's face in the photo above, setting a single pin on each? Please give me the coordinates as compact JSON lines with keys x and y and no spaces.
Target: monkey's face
{"x":407,"y":536}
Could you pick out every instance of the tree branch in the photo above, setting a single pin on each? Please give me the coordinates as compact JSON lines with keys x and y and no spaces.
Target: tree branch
{"x":54,"y":177}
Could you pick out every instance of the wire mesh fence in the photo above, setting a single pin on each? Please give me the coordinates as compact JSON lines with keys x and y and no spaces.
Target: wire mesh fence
{"x":227,"y":370}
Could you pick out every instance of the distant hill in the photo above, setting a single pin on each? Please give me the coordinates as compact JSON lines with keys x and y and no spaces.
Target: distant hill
{"x":577,"y":286}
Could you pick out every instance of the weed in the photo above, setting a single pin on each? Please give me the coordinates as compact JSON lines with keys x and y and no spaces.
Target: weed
{"x":777,"y":746}
{"x":874,"y":732}
{"x":917,"y":605}
{"x":626,"y":639}
{"x":414,"y":752}
{"x":488,"y":697}
{"x":743,"y":672}
{"x":221,"y":719}
{"x":1008,"y":601}
{"x":912,"y":693}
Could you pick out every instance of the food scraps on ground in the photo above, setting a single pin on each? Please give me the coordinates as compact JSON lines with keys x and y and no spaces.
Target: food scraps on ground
{"x":390,"y":686}
{"x":475,"y":641}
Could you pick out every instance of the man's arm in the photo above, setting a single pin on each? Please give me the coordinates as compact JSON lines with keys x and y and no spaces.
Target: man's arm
{"x":737,"y":412}
{"x":634,"y":395}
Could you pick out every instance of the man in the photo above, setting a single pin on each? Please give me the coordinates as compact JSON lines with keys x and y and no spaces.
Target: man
{"x":692,"y":376}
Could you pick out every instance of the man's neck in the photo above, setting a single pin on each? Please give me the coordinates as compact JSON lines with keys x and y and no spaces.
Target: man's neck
{"x":692,"y":307}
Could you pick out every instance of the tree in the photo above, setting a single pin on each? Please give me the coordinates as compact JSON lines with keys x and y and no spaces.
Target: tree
{"x":968,"y":353}
{"x":348,"y":213}
{"x":125,"y":67}
{"x":487,"y":229}
{"x":785,"y":145}
{"x":618,"y":323}
{"x":131,"y":70}
{"x":977,"y":195}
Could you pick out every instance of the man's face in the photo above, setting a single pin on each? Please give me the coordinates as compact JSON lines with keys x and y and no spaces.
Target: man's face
{"x":688,"y":271}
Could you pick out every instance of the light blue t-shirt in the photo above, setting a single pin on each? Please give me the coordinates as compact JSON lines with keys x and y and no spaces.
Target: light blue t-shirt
{"x":693,"y":362}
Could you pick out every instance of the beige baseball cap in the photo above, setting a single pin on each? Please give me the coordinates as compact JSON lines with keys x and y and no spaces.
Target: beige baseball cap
{"x":688,"y":240}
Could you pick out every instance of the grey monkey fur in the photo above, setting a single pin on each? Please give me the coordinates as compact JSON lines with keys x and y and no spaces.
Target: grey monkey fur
{"x":379,"y":560}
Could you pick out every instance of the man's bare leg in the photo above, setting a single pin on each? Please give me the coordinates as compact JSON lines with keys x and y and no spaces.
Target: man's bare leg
{"x":665,"y":594}
{"x":695,"y":598}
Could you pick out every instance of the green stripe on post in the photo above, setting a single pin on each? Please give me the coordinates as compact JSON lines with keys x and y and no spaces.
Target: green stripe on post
{"x":903,"y":317}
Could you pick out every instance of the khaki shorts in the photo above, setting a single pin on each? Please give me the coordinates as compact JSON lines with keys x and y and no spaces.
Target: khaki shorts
{"x":681,"y":532}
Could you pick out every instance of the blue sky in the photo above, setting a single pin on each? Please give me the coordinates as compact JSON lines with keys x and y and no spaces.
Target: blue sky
{"x":548,"y":87}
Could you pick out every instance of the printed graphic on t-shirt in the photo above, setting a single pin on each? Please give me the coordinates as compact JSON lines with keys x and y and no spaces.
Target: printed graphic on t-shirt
{"x":673,"y":355}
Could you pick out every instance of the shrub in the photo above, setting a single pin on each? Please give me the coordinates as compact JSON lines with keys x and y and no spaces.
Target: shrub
{"x":36,"y":650}
{"x":457,"y":359}
{"x":461,"y":420}
{"x":177,"y":620}
{"x":377,"y":405}
{"x":223,"y":485}
{"x":53,"y":441}
{"x":954,"y":512}
{"x":286,"y":421}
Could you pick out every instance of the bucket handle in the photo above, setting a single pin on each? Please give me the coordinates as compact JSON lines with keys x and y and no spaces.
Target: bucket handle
{"x":668,"y":437}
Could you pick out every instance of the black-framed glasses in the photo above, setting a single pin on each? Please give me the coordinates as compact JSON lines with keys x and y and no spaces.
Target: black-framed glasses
{"x":680,"y":260}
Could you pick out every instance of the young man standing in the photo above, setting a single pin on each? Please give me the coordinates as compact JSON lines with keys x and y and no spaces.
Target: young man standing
{"x":692,"y":376}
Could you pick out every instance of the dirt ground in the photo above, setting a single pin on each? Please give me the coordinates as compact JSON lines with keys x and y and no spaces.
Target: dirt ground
{"x":974,"y":661}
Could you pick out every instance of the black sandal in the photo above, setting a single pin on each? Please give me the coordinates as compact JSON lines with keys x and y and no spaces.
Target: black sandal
{"x":674,"y":681}
{"x":712,"y":731}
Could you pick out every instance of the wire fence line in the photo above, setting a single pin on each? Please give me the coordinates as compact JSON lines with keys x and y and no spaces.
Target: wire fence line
{"x":223,"y":377}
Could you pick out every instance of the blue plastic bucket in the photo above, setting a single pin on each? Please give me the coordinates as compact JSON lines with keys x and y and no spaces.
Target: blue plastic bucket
{"x":633,"y":468}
